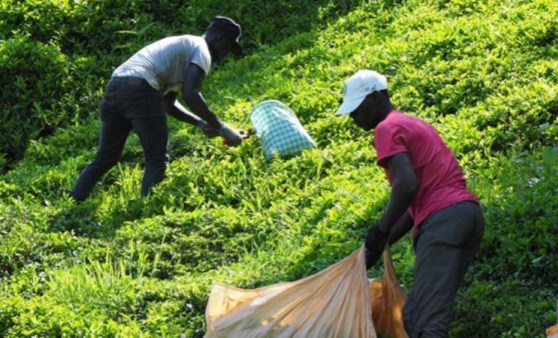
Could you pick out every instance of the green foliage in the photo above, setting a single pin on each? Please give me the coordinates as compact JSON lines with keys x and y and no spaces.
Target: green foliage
{"x":260,"y":21}
{"x":516,"y":267}
{"x":482,"y":71}
{"x":524,"y":219}
{"x":36,"y":74}
{"x":511,"y":301}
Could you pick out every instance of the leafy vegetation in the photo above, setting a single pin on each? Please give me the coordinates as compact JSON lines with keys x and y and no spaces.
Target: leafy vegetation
{"x":484,"y":72}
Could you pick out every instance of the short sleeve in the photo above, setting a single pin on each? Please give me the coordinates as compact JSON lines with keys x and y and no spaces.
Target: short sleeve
{"x":389,"y":139}
{"x":202,"y":58}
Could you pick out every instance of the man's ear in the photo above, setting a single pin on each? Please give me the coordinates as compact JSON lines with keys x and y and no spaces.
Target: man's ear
{"x":369,"y":98}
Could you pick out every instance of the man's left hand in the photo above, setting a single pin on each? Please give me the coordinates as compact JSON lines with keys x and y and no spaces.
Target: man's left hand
{"x":374,"y":245}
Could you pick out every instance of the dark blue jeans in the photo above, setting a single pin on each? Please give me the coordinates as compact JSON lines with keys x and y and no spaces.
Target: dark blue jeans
{"x":129,"y":104}
{"x":445,"y":246}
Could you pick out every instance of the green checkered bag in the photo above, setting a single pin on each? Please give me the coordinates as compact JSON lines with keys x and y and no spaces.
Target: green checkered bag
{"x":279,"y":129}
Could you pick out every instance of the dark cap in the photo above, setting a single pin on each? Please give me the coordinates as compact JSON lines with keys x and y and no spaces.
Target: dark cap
{"x":231,"y":30}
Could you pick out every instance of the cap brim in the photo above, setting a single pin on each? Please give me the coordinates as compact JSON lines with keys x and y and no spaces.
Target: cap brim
{"x":236,"y":49}
{"x":349,"y":105}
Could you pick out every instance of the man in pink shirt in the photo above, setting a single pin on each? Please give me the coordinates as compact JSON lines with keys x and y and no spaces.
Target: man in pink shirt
{"x":428,"y":195}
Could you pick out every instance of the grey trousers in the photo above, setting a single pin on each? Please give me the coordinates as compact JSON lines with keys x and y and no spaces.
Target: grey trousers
{"x":445,"y":246}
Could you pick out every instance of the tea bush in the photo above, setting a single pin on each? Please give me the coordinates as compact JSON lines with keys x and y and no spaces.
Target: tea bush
{"x":36,"y":74}
{"x":524,"y":194}
{"x":482,"y":71}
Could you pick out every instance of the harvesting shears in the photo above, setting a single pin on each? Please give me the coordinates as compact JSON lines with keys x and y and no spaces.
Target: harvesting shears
{"x":244,"y":133}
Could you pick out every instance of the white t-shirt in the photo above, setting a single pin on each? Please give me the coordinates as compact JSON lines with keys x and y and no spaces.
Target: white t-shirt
{"x":163,"y":63}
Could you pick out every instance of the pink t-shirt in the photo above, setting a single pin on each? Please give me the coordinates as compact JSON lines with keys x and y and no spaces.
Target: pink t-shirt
{"x":440,"y":177}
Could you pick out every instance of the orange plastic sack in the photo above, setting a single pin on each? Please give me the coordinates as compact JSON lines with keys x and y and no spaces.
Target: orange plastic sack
{"x":331,"y":303}
{"x":388,"y":298}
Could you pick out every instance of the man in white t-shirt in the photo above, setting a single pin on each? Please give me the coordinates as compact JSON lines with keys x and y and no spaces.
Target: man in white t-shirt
{"x":143,"y":90}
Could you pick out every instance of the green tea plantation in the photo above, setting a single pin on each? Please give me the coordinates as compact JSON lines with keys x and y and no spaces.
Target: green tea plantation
{"x":483,"y":72}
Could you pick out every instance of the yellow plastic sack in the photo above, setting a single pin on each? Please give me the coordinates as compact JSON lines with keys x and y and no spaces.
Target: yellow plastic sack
{"x":334,"y":302}
{"x":388,"y":298}
{"x":552,"y":332}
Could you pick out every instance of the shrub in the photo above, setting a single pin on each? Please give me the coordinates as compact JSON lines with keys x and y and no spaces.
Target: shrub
{"x":37,"y":74}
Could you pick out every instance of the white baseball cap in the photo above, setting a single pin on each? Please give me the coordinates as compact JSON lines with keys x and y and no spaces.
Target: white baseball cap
{"x":357,"y":87}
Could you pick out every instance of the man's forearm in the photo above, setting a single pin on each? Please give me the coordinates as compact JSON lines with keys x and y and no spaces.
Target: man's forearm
{"x":199,"y":107}
{"x":180,"y":113}
{"x":400,"y":228}
{"x":399,"y":202}
{"x":404,"y":187}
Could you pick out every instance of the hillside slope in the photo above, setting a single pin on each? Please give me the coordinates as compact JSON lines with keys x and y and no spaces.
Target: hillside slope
{"x":485,"y":73}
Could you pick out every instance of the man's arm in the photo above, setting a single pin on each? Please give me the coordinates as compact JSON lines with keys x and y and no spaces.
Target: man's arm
{"x":404,"y":187}
{"x":177,"y":110}
{"x":191,"y":91}
{"x":400,"y":228}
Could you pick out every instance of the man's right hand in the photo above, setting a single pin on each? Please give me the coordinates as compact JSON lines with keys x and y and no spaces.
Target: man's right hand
{"x":207,"y":129}
{"x":374,"y":245}
{"x":232,"y":136}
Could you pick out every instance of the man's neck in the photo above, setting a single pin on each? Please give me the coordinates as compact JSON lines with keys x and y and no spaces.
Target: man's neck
{"x":386,"y":109}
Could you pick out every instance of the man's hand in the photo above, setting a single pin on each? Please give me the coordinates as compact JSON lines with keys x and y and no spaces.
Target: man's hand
{"x":374,"y":245}
{"x":232,"y":136}
{"x":208,"y":131}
